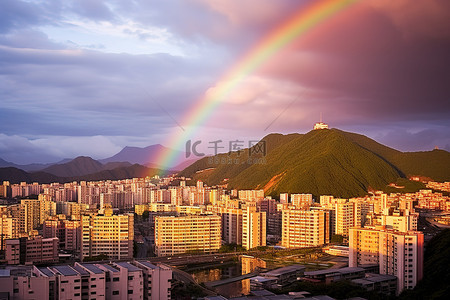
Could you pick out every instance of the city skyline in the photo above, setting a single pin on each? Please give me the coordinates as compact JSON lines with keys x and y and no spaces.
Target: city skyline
{"x":88,"y":78}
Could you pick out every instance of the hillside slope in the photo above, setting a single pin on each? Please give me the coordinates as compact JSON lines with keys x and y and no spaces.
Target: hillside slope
{"x":320,"y":162}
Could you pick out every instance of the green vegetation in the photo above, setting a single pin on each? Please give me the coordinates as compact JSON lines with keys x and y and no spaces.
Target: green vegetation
{"x":404,"y":185}
{"x":337,"y":239}
{"x":96,"y":258}
{"x":435,"y":282}
{"x":227,"y":248}
{"x":186,"y":291}
{"x":321,"y":162}
{"x":145,"y":215}
{"x":135,"y":249}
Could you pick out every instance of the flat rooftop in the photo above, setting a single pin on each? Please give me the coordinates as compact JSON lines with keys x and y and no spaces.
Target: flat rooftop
{"x":350,"y":270}
{"x":346,"y":270}
{"x":284,"y":270}
{"x":93,"y":268}
{"x":148,"y":264}
{"x":128,"y":266}
{"x":65,"y":270}
{"x":80,"y":270}
{"x":109,"y":268}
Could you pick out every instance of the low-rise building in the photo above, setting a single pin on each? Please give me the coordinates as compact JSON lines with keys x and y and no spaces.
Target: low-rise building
{"x":82,"y":281}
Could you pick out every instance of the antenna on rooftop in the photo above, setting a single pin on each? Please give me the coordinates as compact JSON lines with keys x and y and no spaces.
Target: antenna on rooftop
{"x":320,"y":117}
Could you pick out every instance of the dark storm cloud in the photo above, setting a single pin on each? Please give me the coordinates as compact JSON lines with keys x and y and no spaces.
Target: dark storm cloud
{"x":423,"y":139}
{"x":366,"y":62}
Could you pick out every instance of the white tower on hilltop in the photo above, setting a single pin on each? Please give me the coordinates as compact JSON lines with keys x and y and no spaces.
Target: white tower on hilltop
{"x":320,"y":125}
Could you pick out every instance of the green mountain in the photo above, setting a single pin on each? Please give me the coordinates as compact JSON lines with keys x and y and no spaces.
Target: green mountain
{"x":320,"y":162}
{"x":14,"y":175}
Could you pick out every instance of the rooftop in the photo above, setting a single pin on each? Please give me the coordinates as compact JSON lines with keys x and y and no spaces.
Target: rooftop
{"x":80,"y":270}
{"x":128,"y":266}
{"x":92,"y":268}
{"x":284,"y":270}
{"x":65,"y":270}
{"x":148,"y":264}
{"x":108,"y":267}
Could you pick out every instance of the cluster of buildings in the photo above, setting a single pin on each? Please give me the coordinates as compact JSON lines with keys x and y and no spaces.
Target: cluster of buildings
{"x":441,"y":186}
{"x":90,"y":219}
{"x":120,"y":280}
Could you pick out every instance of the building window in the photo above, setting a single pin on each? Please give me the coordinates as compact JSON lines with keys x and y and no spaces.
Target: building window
{"x":115,"y":292}
{"x":130,"y":292}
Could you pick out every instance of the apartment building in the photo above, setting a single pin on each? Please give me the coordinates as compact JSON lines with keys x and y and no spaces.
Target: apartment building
{"x":181,"y":234}
{"x":31,"y":250}
{"x":116,"y":281}
{"x":232,"y":225}
{"x":9,"y":229}
{"x":157,"y":280}
{"x":253,"y":228}
{"x":108,"y":234}
{"x":397,"y":253}
{"x":304,"y":228}
{"x":302,"y":201}
{"x":67,"y":231}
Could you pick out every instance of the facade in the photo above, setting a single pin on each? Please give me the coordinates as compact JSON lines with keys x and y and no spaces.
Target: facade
{"x":108,"y":234}
{"x":67,"y":231}
{"x":157,"y":280}
{"x":344,"y":216}
{"x":397,"y":253}
{"x":304,"y":228}
{"x":132,"y":281}
{"x":253,"y":228}
{"x":31,"y":250}
{"x":116,"y":281}
{"x":37,"y":211}
{"x":232,"y":226}
{"x":9,"y":229}
{"x":302,"y":201}
{"x":176,"y":235}
{"x":320,"y":125}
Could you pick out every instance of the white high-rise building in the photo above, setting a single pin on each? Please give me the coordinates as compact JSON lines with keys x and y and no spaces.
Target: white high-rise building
{"x":397,"y":253}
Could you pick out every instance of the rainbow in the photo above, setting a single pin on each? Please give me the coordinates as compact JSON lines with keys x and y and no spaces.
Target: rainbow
{"x":303,"y":21}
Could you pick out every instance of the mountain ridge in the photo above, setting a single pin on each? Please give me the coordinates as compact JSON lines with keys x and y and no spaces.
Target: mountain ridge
{"x":321,"y":162}
{"x":15,"y":175}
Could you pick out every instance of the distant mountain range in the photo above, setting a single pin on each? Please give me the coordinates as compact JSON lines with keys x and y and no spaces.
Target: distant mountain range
{"x":28,"y":168}
{"x":320,"y":162}
{"x":147,"y":156}
{"x":15,"y":175}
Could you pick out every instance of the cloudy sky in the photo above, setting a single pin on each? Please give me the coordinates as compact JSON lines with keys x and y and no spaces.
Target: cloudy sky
{"x":88,"y":77}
